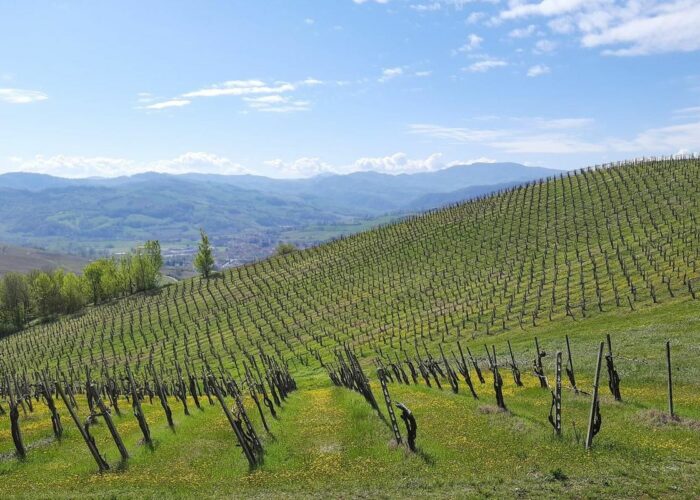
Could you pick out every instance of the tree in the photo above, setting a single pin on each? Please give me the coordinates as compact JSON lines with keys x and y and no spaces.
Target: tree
{"x":102,"y":279}
{"x":93,"y":277}
{"x":15,"y":299}
{"x":204,"y":260}
{"x":285,"y":248}
{"x":45,"y":291}
{"x":72,"y":293}
{"x":147,"y":263}
{"x":152,"y":249}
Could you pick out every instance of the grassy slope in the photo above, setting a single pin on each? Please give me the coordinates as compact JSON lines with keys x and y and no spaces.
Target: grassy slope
{"x":22,"y":260}
{"x":467,"y":272}
{"x":327,"y":441}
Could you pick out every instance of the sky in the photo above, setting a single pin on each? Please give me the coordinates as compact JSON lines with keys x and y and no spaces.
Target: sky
{"x":295,"y":88}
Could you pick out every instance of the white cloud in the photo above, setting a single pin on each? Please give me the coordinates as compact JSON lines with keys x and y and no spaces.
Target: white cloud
{"x":312,"y":82}
{"x":663,"y":140}
{"x":538,"y":70}
{"x":258,"y":94}
{"x":669,"y":28}
{"x":481,"y":159}
{"x":544,"y":46}
{"x":564,"y":136}
{"x":690,"y":111}
{"x":172,"y":103}
{"x":21,"y":96}
{"x":309,"y":21}
{"x":620,"y":27}
{"x":531,"y":135}
{"x":241,"y":88}
{"x":475,"y":17}
{"x":301,"y":167}
{"x":426,"y":7}
{"x":398,"y":163}
{"x":81,"y":166}
{"x":423,"y":74}
{"x":277,"y":104}
{"x":436,"y":5}
{"x":544,"y":8}
{"x":390,"y":74}
{"x":204,"y":163}
{"x":370,"y":1}
{"x":473,"y":43}
{"x":522,"y":32}
{"x":486,"y":65}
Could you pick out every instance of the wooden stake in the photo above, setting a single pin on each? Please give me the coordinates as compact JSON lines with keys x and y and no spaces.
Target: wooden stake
{"x":670,"y":382}
{"x":106,"y":414}
{"x":594,"y":399}
{"x":101,"y":462}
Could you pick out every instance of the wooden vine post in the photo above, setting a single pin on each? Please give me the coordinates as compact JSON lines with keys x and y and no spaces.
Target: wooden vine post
{"x":538,"y":367}
{"x":555,"y":410}
{"x":670,"y":381}
{"x":387,"y":399}
{"x":106,"y":414}
{"x":138,"y":411}
{"x":411,"y":426}
{"x":514,"y":368}
{"x":570,"y":366}
{"x":14,"y":423}
{"x":235,"y":424}
{"x":101,"y":462}
{"x":613,"y":377}
{"x":594,"y":420}
{"x":497,"y":381}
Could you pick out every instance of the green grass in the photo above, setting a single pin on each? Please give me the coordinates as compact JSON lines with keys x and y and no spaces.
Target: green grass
{"x":328,"y":442}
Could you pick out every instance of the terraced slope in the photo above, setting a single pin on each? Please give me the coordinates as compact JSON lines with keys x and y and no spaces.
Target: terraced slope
{"x":622,"y":237}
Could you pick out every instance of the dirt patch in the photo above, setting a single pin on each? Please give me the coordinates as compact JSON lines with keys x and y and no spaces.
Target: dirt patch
{"x":658,"y":418}
{"x":491,"y":410}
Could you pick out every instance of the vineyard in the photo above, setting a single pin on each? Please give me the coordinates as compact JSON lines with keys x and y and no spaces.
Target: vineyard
{"x":524,"y":336}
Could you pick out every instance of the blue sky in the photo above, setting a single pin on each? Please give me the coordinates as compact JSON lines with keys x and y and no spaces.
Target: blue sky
{"x":294,"y":88}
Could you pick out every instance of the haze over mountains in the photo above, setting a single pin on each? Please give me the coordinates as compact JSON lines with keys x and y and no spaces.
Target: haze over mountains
{"x":244,"y":213}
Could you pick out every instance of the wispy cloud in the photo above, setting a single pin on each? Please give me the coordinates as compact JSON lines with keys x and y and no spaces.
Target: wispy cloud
{"x":273,"y":97}
{"x":538,"y":70}
{"x":522,"y":32}
{"x":390,"y":74}
{"x":241,"y":88}
{"x":172,"y":103}
{"x":21,"y":96}
{"x":564,"y":136}
{"x":544,"y":46}
{"x":485,"y":65}
{"x":473,"y":42}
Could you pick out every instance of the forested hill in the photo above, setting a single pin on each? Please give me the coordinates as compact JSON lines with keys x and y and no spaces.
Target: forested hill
{"x":238,"y":211}
{"x":579,"y":245}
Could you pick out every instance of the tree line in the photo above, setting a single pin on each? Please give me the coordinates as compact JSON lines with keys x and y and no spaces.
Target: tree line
{"x":43,"y":295}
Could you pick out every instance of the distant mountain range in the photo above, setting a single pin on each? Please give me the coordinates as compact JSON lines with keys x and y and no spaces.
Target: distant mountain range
{"x":66,"y":214}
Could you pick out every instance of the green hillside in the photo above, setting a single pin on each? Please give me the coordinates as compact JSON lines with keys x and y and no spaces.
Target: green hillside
{"x":610,"y":250}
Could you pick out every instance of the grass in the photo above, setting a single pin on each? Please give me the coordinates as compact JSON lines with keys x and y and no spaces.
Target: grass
{"x":328,"y":442}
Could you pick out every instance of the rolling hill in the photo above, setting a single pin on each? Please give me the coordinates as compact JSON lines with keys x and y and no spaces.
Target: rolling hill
{"x":612,"y":250}
{"x":23,"y":260}
{"x":246,"y":214}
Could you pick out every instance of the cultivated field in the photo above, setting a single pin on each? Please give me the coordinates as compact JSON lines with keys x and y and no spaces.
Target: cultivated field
{"x":607,"y":251}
